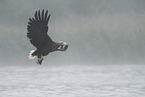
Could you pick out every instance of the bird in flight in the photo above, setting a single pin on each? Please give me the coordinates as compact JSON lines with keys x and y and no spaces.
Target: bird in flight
{"x":37,"y":33}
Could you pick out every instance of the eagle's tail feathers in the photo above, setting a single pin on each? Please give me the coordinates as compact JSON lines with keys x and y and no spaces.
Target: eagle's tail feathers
{"x":31,"y":56}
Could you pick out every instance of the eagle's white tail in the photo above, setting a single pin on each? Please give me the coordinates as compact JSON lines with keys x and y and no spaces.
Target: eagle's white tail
{"x":30,"y":55}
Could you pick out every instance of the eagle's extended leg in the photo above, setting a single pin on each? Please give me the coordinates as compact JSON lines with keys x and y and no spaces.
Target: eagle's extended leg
{"x":40,"y":59}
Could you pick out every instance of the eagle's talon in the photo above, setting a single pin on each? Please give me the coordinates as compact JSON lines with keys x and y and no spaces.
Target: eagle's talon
{"x":39,"y":62}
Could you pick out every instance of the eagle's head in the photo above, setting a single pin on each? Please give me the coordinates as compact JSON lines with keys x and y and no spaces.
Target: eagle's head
{"x":62,"y":46}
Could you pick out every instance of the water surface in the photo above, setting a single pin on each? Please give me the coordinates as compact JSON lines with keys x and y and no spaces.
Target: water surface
{"x":73,"y":81}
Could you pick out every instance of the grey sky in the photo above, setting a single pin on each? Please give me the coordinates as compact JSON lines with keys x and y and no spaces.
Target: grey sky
{"x":96,"y":30}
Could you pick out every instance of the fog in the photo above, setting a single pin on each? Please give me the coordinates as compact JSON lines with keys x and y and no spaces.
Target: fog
{"x":97,"y":31}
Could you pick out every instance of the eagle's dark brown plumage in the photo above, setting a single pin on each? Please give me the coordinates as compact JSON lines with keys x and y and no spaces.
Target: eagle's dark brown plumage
{"x":37,"y":33}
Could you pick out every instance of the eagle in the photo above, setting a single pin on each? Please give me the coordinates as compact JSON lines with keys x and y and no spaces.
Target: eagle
{"x":37,"y":33}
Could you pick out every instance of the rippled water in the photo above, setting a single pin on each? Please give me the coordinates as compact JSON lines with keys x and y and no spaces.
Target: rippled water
{"x":73,"y":81}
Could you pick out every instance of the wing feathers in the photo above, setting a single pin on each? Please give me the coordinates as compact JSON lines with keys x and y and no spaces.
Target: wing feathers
{"x":36,"y":16}
{"x":39,"y":15}
{"x":37,"y":29}
{"x":33,"y":19}
{"x":43,"y":15}
{"x":46,"y":14}
{"x":48,"y":19}
{"x":30,"y":19}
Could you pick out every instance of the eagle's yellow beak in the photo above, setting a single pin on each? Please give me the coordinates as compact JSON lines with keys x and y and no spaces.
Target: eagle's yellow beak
{"x":64,"y":43}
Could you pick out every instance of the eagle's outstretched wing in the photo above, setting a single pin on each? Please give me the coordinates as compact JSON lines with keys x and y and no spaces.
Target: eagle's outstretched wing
{"x":38,"y":28}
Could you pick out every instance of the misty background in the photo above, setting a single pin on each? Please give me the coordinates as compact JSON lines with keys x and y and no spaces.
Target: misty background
{"x":97,"y":31}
